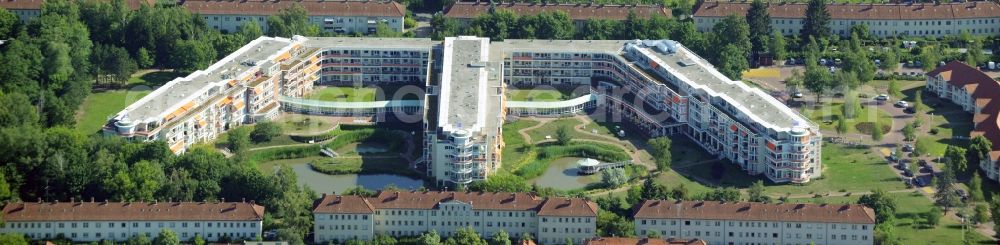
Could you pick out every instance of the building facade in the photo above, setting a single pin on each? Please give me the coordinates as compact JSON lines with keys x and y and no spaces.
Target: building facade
{"x":657,"y":87}
{"x":466,"y":12}
{"x":241,"y":88}
{"x":27,"y":10}
{"x":463,"y":133}
{"x":975,"y":92}
{"x":757,"y":223}
{"x":339,"y":17}
{"x":550,"y":221}
{"x":118,"y":221}
{"x":883,"y":20}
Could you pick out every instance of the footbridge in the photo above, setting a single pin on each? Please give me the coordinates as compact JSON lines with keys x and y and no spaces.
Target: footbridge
{"x":553,"y":108}
{"x":344,"y":108}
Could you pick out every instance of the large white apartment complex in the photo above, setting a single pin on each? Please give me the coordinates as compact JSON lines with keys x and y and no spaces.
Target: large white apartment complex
{"x":119,"y":221}
{"x":659,"y":87}
{"x":549,"y":220}
{"x":883,"y":20}
{"x":241,"y":88}
{"x":338,"y":16}
{"x":741,"y":223}
{"x":976,"y":93}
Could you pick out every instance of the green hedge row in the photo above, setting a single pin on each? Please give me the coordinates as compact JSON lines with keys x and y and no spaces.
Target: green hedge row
{"x":392,"y":138}
{"x":284,"y":153}
{"x":358,"y":165}
{"x":341,"y":129}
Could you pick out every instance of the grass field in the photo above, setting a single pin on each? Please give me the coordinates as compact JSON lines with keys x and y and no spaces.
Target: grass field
{"x":343,"y":94}
{"x":549,"y":129}
{"x":98,"y":107}
{"x":297,"y":124}
{"x":515,"y":149}
{"x":154,"y":78}
{"x":828,"y":114}
{"x":845,"y":168}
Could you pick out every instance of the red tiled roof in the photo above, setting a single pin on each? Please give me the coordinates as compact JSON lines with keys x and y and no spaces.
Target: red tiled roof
{"x":558,"y":206}
{"x":100,"y":211}
{"x":479,"y":200}
{"x":981,"y":9}
{"x":985,"y":91}
{"x":753,"y":211}
{"x":642,"y":241}
{"x":313,"y":7}
{"x":468,"y":10}
{"x":37,"y":4}
{"x":343,"y":204}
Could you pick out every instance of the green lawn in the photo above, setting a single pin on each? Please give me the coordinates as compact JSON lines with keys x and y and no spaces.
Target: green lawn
{"x":154,"y":78}
{"x":845,"y":168}
{"x":344,"y":94}
{"x":828,"y":114}
{"x":97,"y":108}
{"x":549,"y":129}
{"x":909,"y":206}
{"x":297,"y":124}
{"x":513,"y":151}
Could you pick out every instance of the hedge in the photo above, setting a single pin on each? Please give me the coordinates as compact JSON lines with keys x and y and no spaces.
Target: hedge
{"x":356,"y":165}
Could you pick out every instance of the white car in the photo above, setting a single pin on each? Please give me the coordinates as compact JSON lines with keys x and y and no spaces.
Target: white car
{"x":797,"y":95}
{"x":902,"y":104}
{"x":882,"y":97}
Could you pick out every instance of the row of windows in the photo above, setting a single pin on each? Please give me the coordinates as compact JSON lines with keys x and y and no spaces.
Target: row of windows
{"x":750,"y":224}
{"x":123,"y":235}
{"x":23,"y":225}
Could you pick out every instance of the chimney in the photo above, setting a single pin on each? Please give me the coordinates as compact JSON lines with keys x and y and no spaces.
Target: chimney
{"x":91,"y":199}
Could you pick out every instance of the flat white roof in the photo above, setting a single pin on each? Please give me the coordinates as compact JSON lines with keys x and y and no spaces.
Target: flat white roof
{"x":463,"y":97}
{"x":699,"y":74}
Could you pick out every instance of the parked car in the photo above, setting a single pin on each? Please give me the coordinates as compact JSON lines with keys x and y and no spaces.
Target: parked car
{"x":797,"y":95}
{"x":902,"y":104}
{"x":922,"y":162}
{"x":920,"y":182}
{"x":907,"y":172}
{"x":910,"y":110}
{"x":907,"y":147}
{"x":882,"y":97}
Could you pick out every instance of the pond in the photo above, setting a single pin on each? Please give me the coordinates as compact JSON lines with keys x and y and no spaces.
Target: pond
{"x":563,"y":175}
{"x":324,"y":183}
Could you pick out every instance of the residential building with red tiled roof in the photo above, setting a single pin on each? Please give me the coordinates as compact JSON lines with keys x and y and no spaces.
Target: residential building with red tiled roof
{"x":119,"y":221}
{"x":29,"y":9}
{"x":465,"y":12}
{"x":410,"y":213}
{"x":976,"y":93}
{"x":642,"y":241}
{"x":883,"y":20}
{"x":338,"y":16}
{"x":756,"y":223}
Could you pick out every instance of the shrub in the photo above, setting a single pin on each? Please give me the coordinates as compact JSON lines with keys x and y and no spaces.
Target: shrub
{"x":264,"y":131}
